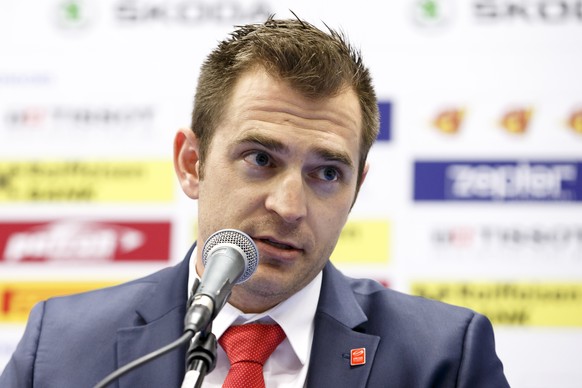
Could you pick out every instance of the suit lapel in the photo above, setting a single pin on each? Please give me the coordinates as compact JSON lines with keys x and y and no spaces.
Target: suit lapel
{"x":165,"y":371}
{"x":338,"y":314}
{"x":159,"y":321}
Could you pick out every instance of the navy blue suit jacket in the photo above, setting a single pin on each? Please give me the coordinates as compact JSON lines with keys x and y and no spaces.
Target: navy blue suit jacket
{"x":76,"y":341}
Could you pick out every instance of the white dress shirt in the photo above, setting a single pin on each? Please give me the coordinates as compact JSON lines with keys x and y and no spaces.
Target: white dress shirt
{"x":287,"y":366}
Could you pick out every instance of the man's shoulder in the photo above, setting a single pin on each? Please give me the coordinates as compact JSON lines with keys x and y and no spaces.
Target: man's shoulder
{"x":455,"y":344}
{"x":381,"y":303}
{"x":114,"y":301}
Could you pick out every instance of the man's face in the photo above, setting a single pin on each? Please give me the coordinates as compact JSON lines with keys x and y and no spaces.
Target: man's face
{"x":283,"y":169}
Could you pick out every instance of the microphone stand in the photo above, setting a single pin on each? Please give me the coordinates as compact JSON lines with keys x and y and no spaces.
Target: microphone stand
{"x":201,"y":354}
{"x":200,"y":358}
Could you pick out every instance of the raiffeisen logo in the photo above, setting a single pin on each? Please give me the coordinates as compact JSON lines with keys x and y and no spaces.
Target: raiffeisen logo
{"x":501,"y":181}
{"x":84,"y":242}
{"x":575,"y":121}
{"x":516,"y":121}
{"x":449,"y":121}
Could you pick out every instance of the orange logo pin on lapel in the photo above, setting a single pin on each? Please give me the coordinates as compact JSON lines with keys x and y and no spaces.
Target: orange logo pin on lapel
{"x":358,"y":356}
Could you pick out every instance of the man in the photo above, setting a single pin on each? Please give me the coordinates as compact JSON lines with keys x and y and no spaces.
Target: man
{"x":283,"y":119}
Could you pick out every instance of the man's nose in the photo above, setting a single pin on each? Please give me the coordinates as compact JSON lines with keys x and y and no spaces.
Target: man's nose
{"x":287,"y":197}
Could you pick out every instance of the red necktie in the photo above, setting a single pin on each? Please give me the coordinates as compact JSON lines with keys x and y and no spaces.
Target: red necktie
{"x":248,"y":347}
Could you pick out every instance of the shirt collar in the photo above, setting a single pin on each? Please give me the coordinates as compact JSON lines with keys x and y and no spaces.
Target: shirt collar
{"x":295,"y":315}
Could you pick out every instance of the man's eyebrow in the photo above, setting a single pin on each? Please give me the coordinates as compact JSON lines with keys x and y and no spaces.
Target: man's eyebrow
{"x":264,"y":141}
{"x":334,"y":156}
{"x":269,"y":143}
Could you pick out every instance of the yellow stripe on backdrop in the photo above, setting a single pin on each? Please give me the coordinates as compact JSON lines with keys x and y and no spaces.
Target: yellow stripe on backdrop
{"x":543,"y":304}
{"x":363,"y":242}
{"x":18,"y":298}
{"x":87,"y":181}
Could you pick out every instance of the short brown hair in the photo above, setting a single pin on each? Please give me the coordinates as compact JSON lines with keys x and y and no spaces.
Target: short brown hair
{"x":315,"y":63}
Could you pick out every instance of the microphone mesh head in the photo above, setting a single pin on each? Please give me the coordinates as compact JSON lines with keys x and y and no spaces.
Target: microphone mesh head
{"x":241,"y":240}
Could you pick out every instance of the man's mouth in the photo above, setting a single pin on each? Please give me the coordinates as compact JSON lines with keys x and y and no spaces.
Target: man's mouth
{"x":277,"y":244}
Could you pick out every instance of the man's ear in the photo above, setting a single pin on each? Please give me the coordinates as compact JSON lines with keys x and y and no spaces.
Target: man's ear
{"x":364,"y":173}
{"x":187,"y":161}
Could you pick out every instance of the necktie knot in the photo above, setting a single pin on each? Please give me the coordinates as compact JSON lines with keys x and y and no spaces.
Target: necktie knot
{"x":248,"y":347}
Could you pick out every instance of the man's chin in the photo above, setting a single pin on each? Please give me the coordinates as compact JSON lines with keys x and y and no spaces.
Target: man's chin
{"x":264,"y":286}
{"x":260,"y":293}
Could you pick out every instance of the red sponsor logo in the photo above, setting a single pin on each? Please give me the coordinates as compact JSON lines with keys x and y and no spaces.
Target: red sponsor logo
{"x":358,"y":356}
{"x":84,"y":241}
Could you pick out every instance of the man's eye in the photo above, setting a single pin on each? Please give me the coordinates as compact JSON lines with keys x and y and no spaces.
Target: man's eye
{"x":258,"y":158}
{"x":329,"y":174}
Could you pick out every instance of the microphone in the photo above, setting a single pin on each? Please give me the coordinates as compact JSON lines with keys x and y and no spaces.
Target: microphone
{"x":230,"y":257}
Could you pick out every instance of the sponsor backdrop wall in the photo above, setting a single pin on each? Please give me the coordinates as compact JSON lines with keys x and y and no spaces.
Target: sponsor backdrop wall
{"x":475,"y":188}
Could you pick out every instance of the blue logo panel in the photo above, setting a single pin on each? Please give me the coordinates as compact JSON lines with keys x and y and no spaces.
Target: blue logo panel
{"x":385,"y":108}
{"x":498,"y":181}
